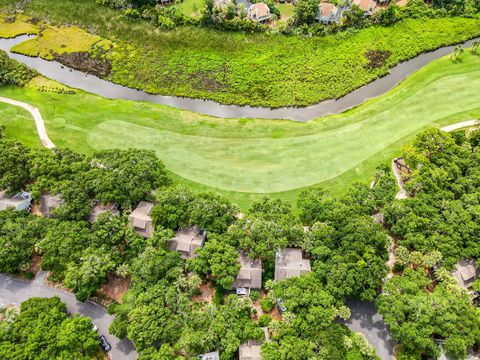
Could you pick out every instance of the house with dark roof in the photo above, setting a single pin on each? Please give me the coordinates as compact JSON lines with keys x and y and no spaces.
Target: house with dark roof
{"x":465,"y":273}
{"x":327,"y":13}
{"x":48,"y":203}
{"x":141,"y":221}
{"x":289,"y":263}
{"x":249,"y":276}
{"x":18,"y":202}
{"x":259,"y":12}
{"x":187,"y":240}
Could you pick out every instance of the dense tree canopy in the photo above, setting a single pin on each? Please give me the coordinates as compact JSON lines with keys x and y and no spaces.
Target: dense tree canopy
{"x":420,"y":317}
{"x":42,"y":330}
{"x":444,"y":210}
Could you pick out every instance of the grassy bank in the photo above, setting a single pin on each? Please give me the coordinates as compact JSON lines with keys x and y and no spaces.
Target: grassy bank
{"x":260,"y":69}
{"x":246,"y":158}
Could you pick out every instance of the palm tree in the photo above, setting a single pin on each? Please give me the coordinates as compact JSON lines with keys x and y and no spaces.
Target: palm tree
{"x":475,"y":46}
{"x":457,"y":51}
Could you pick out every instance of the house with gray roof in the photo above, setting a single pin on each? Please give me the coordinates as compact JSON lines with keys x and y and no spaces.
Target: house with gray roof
{"x":250,"y":350}
{"x":289,"y":263}
{"x":210,"y":356}
{"x":99,"y":208}
{"x":187,"y":240}
{"x":18,"y":202}
{"x":48,"y":203}
{"x":141,"y":221}
{"x":250,"y":274}
{"x":465,"y":273}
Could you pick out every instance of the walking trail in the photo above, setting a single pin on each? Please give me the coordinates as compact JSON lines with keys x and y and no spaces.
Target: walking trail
{"x":40,"y":124}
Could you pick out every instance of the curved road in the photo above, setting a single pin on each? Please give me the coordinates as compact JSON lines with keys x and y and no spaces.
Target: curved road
{"x":39,"y":123}
{"x":15,"y":291}
{"x":95,"y":85}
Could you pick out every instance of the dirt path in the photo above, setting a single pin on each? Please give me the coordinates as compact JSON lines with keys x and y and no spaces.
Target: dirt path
{"x":40,"y":124}
{"x":401,"y":194}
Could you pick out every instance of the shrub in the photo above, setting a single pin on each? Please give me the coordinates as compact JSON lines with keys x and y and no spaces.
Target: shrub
{"x":264,"y":320}
{"x":266,"y":304}
{"x":255,"y":295}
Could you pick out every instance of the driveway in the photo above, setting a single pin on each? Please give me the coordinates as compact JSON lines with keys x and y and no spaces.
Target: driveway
{"x":367,"y":321}
{"x":15,"y":291}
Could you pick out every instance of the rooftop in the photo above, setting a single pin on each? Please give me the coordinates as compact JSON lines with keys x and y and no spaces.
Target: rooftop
{"x":140,"y":219}
{"x":289,"y":263}
{"x":365,"y":5}
{"x":250,"y":274}
{"x":49,"y":202}
{"x":187,"y":240}
{"x":326,"y":9}
{"x":465,"y":273}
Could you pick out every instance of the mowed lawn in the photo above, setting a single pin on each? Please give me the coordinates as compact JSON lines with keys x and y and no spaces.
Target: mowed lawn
{"x":245,"y":157}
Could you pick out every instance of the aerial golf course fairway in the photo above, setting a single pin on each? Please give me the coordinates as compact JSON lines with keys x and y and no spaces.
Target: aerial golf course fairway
{"x":246,"y":158}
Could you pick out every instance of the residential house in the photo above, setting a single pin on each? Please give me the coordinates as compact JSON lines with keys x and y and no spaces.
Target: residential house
{"x":210,"y":356}
{"x":99,"y":208}
{"x":289,"y":263}
{"x":259,"y":12}
{"x":186,"y":241}
{"x":465,"y":273}
{"x":366,"y":5}
{"x":141,"y":221}
{"x":18,"y":202}
{"x":250,"y":350}
{"x":249,"y":276}
{"x":48,"y":203}
{"x":327,"y":13}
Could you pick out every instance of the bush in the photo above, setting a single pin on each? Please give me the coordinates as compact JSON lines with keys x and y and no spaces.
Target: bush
{"x":266,"y":304}
{"x":14,"y":73}
{"x":264,"y":320}
{"x":255,"y":295}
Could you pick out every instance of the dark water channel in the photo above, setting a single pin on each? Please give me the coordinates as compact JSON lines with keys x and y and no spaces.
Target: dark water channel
{"x":95,"y":85}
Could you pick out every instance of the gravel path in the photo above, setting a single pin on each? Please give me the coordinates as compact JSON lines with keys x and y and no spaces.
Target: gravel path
{"x":40,"y":124}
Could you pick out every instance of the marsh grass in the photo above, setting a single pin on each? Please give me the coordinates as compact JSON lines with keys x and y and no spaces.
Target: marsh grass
{"x":257,"y":69}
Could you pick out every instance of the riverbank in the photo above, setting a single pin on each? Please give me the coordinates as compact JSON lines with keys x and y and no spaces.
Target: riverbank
{"x":247,"y":158}
{"x":232,"y":68}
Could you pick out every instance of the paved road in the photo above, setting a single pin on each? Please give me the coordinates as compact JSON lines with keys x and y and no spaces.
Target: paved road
{"x":15,"y":291}
{"x":366,"y":320}
{"x":40,"y":124}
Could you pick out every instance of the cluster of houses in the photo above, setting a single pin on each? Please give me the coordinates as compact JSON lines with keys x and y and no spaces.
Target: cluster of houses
{"x":289,"y":262}
{"x":258,"y":12}
{"x":328,"y":12}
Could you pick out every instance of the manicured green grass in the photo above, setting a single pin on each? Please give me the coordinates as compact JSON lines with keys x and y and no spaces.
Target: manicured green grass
{"x":246,"y":158}
{"x":256,"y":69}
{"x":286,"y":12}
{"x":191,"y":7}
